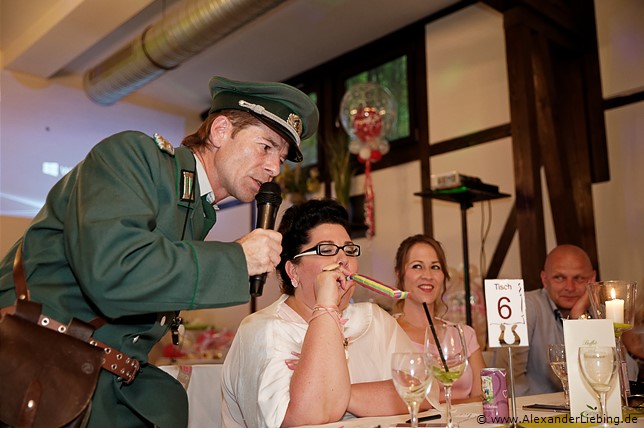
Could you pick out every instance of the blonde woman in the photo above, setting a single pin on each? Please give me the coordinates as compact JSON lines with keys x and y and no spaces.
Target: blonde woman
{"x":421,"y":269}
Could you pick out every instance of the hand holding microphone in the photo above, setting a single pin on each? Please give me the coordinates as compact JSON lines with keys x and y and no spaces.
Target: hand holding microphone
{"x":268,"y":200}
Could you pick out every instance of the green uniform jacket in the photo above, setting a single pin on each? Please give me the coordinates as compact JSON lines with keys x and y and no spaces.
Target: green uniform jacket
{"x":108,"y":242}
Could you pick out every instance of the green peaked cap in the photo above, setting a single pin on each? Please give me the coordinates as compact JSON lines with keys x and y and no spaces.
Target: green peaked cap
{"x":285,"y":109}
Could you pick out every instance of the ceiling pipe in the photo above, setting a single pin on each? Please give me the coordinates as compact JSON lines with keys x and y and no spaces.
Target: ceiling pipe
{"x":166,"y":44}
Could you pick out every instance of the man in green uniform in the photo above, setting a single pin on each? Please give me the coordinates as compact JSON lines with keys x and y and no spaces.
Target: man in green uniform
{"x":121,"y":236}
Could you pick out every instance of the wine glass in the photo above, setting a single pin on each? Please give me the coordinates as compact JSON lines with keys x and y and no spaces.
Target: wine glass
{"x":447,"y":356}
{"x":557,"y":360}
{"x":412,"y":379}
{"x":598,"y":366}
{"x":615,"y":300}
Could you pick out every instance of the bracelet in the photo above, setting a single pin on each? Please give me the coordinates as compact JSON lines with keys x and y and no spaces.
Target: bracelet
{"x":326,"y":308}
{"x":319,"y":310}
{"x":331,"y":310}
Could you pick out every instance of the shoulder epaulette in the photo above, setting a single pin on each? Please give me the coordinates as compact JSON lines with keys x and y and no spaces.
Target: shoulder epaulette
{"x":163,"y":144}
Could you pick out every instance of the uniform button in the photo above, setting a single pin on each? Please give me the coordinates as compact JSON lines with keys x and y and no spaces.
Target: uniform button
{"x":136,"y":339}
{"x":162,"y":322}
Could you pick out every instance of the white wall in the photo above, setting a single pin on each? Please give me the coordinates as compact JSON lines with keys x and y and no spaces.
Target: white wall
{"x":619,"y":203}
{"x":467,"y":92}
{"x":54,"y":121}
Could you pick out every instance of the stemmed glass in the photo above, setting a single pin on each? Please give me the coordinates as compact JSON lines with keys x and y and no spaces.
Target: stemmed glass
{"x":598,"y":366}
{"x":557,"y":360}
{"x":412,"y":379}
{"x":447,"y":356}
{"x":615,"y":300}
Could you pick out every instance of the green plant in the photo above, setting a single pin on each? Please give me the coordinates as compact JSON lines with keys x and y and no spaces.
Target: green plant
{"x":297,"y":180}
{"x":338,"y":160}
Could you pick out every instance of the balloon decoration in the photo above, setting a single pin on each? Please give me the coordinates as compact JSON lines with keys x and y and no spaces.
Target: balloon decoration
{"x":368,"y":113}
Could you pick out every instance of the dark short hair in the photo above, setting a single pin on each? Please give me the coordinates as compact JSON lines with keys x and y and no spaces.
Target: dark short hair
{"x":401,"y":256}
{"x":296,"y":225}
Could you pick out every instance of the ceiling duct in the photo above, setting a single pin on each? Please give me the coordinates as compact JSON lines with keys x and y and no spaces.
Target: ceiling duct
{"x":166,"y":44}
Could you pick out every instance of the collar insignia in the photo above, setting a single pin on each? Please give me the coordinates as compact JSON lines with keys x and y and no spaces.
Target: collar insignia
{"x":295,"y":122}
{"x":163,"y":144}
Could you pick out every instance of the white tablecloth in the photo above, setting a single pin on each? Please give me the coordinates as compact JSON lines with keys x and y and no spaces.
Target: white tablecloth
{"x":467,"y":415}
{"x":203,"y":386}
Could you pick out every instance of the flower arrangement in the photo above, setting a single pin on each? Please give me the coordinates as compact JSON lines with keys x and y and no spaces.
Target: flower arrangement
{"x":297,"y":181}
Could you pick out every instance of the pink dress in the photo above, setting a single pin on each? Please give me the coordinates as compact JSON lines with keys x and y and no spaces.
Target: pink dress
{"x":463,"y":386}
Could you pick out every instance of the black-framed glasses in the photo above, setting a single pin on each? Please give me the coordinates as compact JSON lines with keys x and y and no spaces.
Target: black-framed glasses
{"x":351,"y":250}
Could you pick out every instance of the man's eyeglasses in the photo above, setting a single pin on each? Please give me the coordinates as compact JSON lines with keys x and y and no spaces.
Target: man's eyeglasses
{"x":351,"y":250}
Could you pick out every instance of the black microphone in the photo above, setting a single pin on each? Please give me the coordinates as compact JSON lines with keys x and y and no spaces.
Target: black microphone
{"x":268,"y":200}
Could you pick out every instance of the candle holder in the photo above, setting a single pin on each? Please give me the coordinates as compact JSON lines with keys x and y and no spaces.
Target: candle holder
{"x":615,"y":300}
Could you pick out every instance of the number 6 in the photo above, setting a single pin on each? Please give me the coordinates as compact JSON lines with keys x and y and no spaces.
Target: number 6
{"x":500,"y":307}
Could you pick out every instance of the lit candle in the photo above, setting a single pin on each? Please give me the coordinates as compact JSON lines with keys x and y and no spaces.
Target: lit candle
{"x":615,"y":309}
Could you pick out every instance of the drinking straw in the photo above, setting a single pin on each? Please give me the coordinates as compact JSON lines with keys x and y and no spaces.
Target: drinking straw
{"x":438,"y":344}
{"x":378,"y":287}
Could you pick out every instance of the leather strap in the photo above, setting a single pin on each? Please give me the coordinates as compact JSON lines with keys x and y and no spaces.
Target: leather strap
{"x":114,"y":361}
{"x":19,"y":282}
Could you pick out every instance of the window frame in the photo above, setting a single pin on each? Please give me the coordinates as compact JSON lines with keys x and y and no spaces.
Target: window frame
{"x":328,"y":80}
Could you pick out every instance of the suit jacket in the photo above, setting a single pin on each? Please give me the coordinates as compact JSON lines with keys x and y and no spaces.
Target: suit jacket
{"x":530,"y":366}
{"x":111,"y":241}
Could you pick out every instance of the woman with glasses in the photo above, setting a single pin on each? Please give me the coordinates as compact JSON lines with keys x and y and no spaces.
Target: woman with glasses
{"x":311,"y":357}
{"x":421,"y":269}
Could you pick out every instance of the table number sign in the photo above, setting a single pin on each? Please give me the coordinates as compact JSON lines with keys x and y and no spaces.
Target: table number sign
{"x":583,"y":401}
{"x":505,"y":309}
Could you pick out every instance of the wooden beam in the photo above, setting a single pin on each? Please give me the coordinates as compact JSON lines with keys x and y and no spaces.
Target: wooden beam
{"x":543,"y":16}
{"x":525,"y":147}
{"x":573,"y":130}
{"x":621,"y":100}
{"x":554,"y":150}
{"x":557,"y":121}
{"x":470,"y":140}
{"x":590,"y":73}
{"x":417,"y":73}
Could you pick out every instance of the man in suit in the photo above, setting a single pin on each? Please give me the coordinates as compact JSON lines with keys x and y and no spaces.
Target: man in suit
{"x":565,"y":273}
{"x":120,"y":237}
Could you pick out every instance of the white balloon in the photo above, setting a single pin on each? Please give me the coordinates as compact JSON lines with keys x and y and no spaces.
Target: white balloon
{"x":365,"y":153}
{"x":355,"y":146}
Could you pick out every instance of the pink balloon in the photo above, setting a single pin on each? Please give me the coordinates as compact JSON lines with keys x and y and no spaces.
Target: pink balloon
{"x":367,"y":123}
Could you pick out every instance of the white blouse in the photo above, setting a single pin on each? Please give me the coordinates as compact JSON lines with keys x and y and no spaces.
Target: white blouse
{"x":256,"y":380}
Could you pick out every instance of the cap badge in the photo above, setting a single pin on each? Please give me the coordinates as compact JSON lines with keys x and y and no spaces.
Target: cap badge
{"x":295,"y":122}
{"x":163,"y":144}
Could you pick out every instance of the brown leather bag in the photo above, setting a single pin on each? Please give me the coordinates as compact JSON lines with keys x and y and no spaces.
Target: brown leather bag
{"x":47,"y":377}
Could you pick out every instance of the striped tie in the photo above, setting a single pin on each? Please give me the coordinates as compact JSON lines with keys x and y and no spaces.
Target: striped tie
{"x":558,"y":316}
